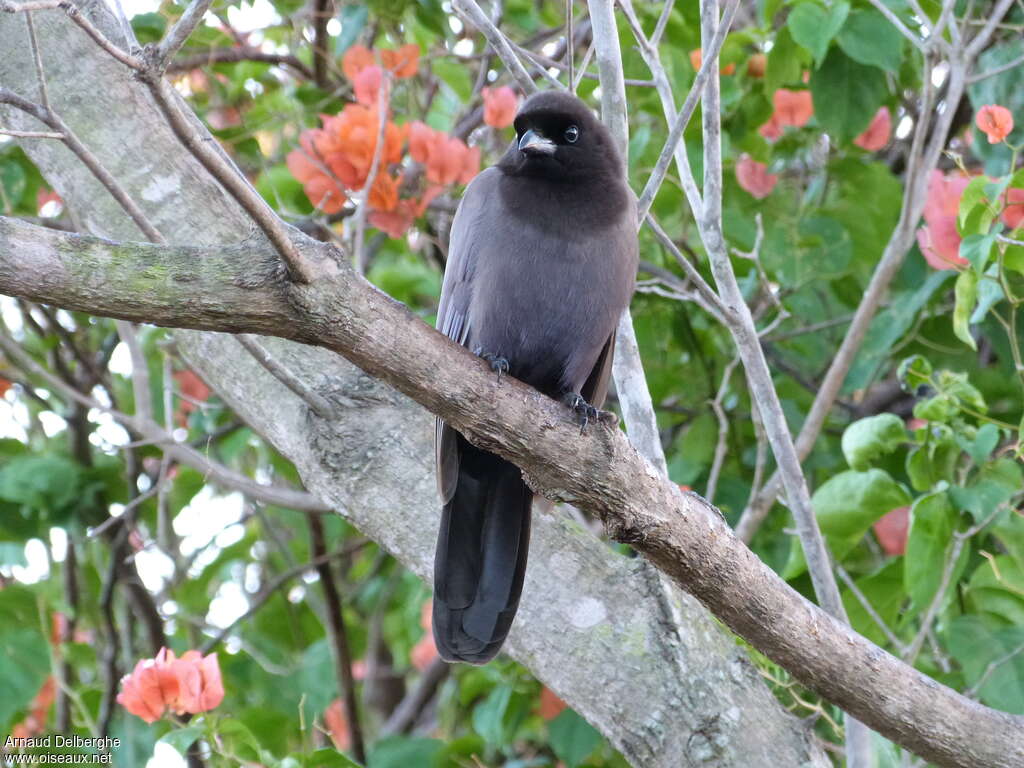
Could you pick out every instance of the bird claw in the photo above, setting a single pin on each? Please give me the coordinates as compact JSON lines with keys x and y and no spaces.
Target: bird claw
{"x":498,"y":363}
{"x":585,"y":412}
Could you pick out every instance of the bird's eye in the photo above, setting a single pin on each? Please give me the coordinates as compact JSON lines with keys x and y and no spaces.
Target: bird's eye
{"x":572,"y":133}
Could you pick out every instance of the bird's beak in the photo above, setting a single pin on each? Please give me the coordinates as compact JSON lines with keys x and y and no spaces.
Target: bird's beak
{"x":532,"y":143}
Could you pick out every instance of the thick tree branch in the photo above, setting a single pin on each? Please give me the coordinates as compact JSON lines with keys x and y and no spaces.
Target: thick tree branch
{"x":679,"y":533}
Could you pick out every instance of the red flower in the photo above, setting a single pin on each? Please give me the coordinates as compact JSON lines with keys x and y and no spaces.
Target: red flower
{"x":499,"y":106}
{"x":793,"y":107}
{"x":425,"y":651}
{"x":938,"y":239}
{"x":754,"y":177}
{"x":194,"y":390}
{"x":356,"y":59}
{"x":994,"y":121}
{"x":697,"y":58}
{"x":878,"y":132}
{"x":891,"y":531}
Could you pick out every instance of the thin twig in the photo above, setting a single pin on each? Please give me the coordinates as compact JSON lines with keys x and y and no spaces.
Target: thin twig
{"x":319,"y":404}
{"x":180,"y":32}
{"x":338,"y":633}
{"x":870,"y":610}
{"x":471,"y":12}
{"x":359,"y":224}
{"x":31,"y":134}
{"x":300,"y":269}
{"x":723,"y":432}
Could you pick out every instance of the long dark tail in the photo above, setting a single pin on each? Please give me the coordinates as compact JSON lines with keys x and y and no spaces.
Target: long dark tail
{"x":481,"y":557}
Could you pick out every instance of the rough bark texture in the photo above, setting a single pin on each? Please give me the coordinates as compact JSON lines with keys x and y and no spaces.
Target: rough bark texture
{"x":658,"y":676}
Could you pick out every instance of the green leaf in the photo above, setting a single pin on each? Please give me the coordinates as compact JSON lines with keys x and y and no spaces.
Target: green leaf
{"x":973,"y":197}
{"x":983,"y":443}
{"x":977,"y":249}
{"x":847,"y":94}
{"x":149,"y":27}
{"x":995,"y":484}
{"x":455,"y":76}
{"x":966,"y":294}
{"x":813,"y":27}
{"x":783,"y":66}
{"x":869,"y":38}
{"x":913,"y":372}
{"x":353,"y":19}
{"x":869,"y":438}
{"x":489,"y":715}
{"x":402,"y":752}
{"x":931,"y":528}
{"x":572,"y":738}
{"x":46,"y":483}
{"x":846,"y":506}
{"x":976,"y":642}
{"x":24,"y":651}
{"x":183,"y":738}
{"x":996,"y":590}
{"x":884,"y":592}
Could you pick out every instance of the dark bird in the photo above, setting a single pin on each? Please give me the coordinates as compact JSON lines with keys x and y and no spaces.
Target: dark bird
{"x":541,"y":264}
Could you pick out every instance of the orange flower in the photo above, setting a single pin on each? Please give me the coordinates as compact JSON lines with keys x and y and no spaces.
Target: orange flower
{"x":337,"y":725}
{"x":499,"y":106}
{"x":396,"y":223}
{"x":4,"y":386}
{"x":878,"y":132}
{"x":756,"y":65}
{"x":550,"y":705}
{"x":356,"y":59}
{"x":891,"y":531}
{"x":402,"y":63}
{"x":384,"y":194}
{"x":424,"y":652}
{"x":994,"y":121}
{"x":191,"y":684}
{"x":447,"y":159}
{"x":754,"y":177}
{"x":697,"y":58}
{"x":793,"y":107}
{"x":194,"y":390}
{"x":939,"y":239}
{"x":1013,"y":214}
{"x":420,"y":137}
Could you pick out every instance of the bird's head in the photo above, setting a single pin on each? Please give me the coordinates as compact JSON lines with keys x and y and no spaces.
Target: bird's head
{"x":559,"y":138}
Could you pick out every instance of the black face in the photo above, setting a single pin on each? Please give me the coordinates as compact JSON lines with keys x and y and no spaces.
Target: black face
{"x":559,"y":139}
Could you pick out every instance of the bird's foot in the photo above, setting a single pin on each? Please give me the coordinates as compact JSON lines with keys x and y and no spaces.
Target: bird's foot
{"x":498,"y":363}
{"x":586,"y":413}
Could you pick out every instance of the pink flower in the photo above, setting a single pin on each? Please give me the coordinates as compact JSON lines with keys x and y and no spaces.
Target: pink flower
{"x":938,"y":239}
{"x":772,"y":130}
{"x":1013,"y":214}
{"x":191,"y":684}
{"x":367,"y":85}
{"x":499,"y":106}
{"x":754,"y":177}
{"x":994,"y":121}
{"x":878,"y":132}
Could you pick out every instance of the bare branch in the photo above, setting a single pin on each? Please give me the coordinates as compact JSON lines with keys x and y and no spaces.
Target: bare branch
{"x":180,"y":32}
{"x":471,"y":12}
{"x":319,"y":404}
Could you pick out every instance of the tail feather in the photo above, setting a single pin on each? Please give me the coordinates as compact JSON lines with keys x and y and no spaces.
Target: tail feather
{"x":481,"y":557}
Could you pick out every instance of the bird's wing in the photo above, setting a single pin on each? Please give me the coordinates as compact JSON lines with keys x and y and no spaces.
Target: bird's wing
{"x":468,"y":230}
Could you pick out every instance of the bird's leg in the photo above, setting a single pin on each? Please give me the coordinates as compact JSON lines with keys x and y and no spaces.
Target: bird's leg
{"x":498,"y":363}
{"x":585,"y":412}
